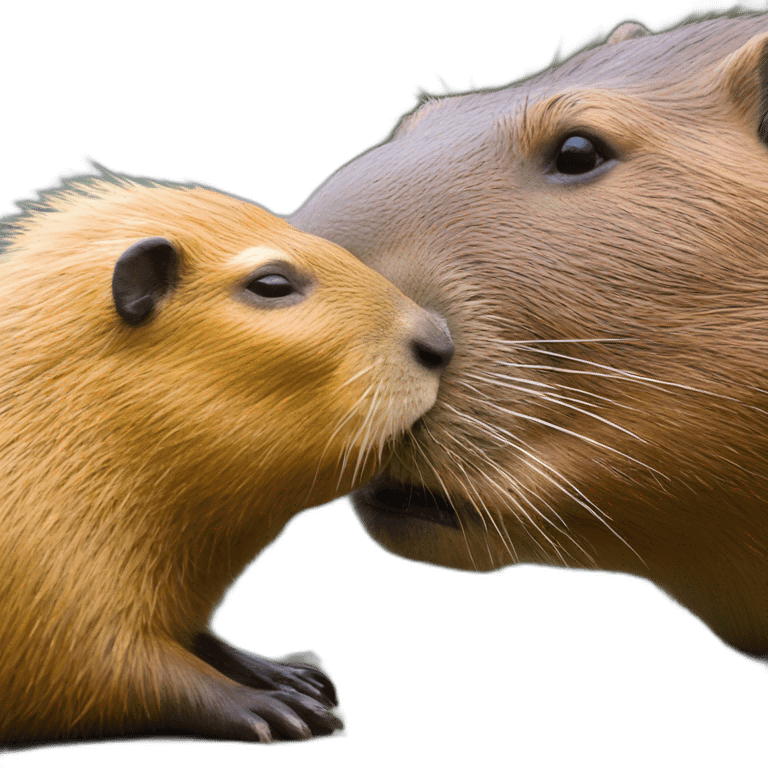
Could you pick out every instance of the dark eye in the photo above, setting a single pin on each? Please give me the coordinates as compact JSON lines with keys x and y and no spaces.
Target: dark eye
{"x":576,"y":155}
{"x":271,"y":286}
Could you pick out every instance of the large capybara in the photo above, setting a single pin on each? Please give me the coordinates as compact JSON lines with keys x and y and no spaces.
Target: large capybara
{"x":596,"y":237}
{"x":181,"y":373}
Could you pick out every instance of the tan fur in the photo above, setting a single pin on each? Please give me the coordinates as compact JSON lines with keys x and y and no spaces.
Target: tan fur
{"x":607,"y":405}
{"x":142,"y":468}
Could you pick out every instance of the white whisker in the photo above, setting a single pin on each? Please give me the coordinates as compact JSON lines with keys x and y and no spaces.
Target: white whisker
{"x":447,"y":495}
{"x":373,"y":365}
{"x":514,"y":502}
{"x":518,"y":342}
{"x":556,"y":427}
{"x":366,"y":434}
{"x":518,"y":489}
{"x":349,"y":414}
{"x":620,"y":373}
{"x":502,"y":380}
{"x":504,"y":538}
{"x":517,"y":444}
{"x":567,"y":403}
{"x":593,"y":416}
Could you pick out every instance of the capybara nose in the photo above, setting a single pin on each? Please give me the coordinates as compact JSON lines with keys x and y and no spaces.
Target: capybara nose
{"x":432,"y":344}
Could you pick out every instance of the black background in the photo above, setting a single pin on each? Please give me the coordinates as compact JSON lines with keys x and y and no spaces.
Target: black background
{"x":427,"y":662}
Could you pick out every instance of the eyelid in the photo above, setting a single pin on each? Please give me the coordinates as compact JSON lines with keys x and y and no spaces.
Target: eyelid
{"x":602,"y":147}
{"x":279,"y":267}
{"x":621,"y":122}
{"x":300,"y":281}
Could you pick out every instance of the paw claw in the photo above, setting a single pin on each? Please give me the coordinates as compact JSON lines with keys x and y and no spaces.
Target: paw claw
{"x":261,"y":729}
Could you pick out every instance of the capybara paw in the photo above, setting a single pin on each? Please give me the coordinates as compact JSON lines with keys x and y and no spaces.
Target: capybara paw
{"x":290,"y":676}
{"x":310,"y":680}
{"x":249,"y":715}
{"x":261,"y":673}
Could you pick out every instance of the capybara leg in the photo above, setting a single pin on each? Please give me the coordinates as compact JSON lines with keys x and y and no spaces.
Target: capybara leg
{"x":210,"y":704}
{"x":257,"y":672}
{"x":163,"y":689}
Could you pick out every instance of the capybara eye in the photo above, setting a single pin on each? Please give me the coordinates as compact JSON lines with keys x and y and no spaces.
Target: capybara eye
{"x":577,"y":154}
{"x":271,"y":286}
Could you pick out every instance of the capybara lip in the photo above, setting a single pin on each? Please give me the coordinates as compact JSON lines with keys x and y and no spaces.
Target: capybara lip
{"x":393,"y":498}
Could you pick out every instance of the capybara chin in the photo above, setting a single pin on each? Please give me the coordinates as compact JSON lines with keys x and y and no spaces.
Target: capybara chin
{"x":181,"y":373}
{"x":596,"y":238}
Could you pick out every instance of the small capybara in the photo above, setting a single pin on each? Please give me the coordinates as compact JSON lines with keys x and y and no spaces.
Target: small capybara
{"x":182,"y":372}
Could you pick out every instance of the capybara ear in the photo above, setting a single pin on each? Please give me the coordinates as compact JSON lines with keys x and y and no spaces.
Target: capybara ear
{"x":145,"y":273}
{"x":629,"y":30}
{"x":744,"y":73}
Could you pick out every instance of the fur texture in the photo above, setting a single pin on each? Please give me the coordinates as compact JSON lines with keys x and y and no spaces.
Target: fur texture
{"x":606,"y":407}
{"x":143,"y":467}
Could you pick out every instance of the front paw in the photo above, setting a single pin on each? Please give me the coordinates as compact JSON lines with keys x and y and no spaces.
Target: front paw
{"x":250,"y":715}
{"x":258,"y":672}
{"x":300,"y":671}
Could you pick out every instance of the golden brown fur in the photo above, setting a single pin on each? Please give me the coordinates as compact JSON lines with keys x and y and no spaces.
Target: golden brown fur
{"x":143,"y":467}
{"x":607,"y":405}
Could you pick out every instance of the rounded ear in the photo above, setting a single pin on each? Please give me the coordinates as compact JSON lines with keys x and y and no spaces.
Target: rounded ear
{"x":744,"y":75}
{"x":629,"y":30}
{"x":143,"y":275}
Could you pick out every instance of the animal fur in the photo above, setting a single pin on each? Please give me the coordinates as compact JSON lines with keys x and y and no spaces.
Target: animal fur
{"x":607,"y":404}
{"x":146,"y":458}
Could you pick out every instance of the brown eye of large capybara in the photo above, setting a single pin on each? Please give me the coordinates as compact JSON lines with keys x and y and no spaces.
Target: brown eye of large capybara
{"x":271,"y":286}
{"x":577,"y":154}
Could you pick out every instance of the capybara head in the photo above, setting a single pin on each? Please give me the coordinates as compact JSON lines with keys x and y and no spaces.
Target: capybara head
{"x":596,"y":237}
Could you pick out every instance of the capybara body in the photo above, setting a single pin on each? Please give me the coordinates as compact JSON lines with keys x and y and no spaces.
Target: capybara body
{"x":596,"y":237}
{"x":181,"y":373}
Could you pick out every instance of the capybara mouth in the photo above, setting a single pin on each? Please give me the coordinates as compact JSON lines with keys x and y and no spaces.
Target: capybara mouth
{"x":389,"y":497}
